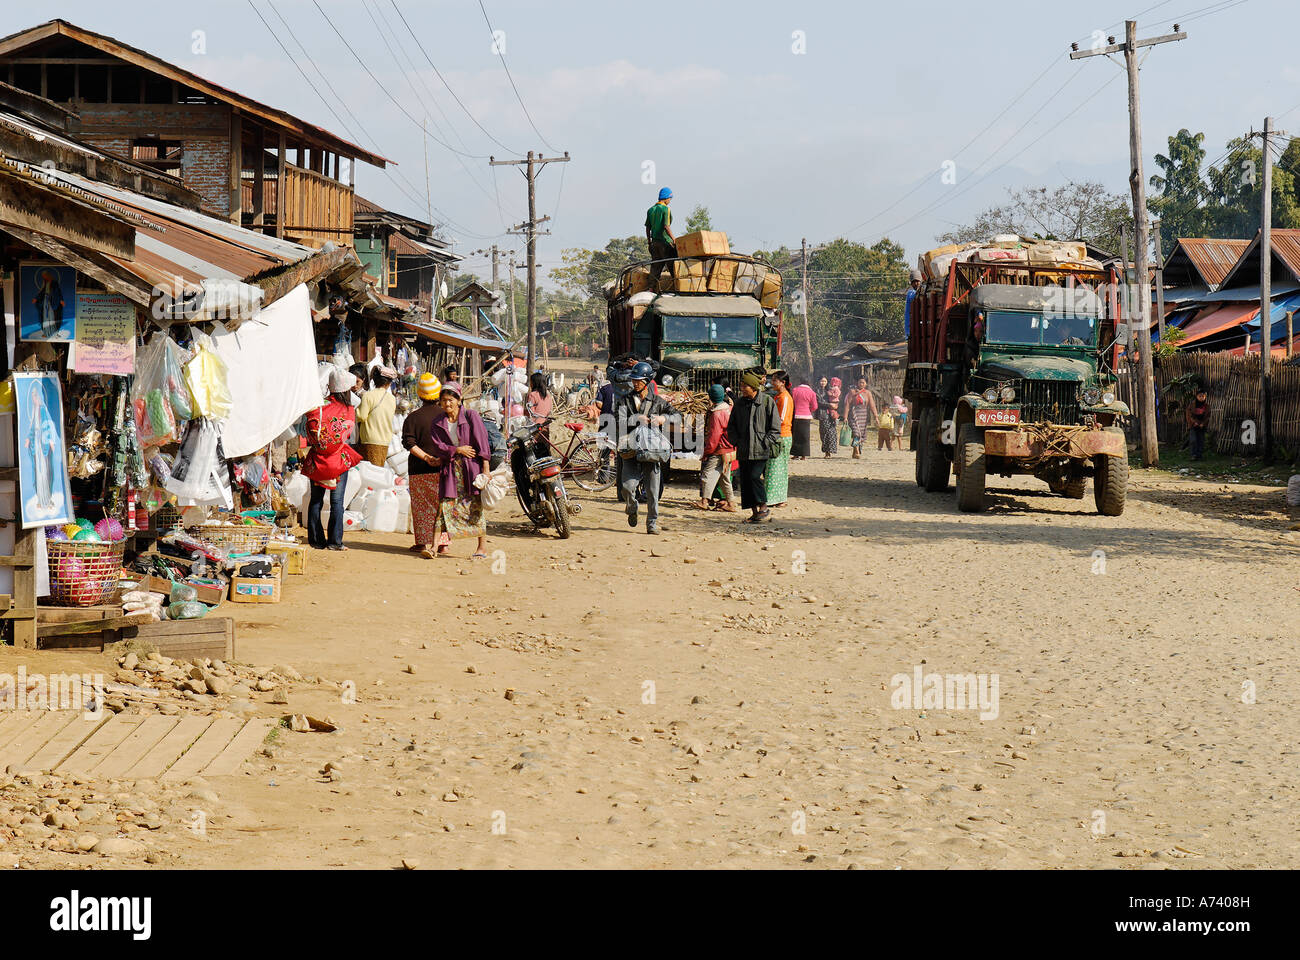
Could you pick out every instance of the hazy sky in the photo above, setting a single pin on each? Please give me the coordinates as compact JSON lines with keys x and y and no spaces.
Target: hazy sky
{"x":847,"y":138}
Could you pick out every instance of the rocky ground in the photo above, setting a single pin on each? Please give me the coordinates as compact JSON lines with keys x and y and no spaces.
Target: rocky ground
{"x":726,"y":695}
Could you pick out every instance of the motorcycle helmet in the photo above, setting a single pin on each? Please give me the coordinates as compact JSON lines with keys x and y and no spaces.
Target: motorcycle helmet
{"x":642,"y":371}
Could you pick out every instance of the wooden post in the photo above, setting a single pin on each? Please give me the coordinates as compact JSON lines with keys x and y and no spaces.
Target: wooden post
{"x":1160,"y":283}
{"x":807,"y":338}
{"x":236,"y":166}
{"x":1266,"y":296}
{"x":259,"y":176}
{"x":279,"y":188}
{"x":1289,"y":315}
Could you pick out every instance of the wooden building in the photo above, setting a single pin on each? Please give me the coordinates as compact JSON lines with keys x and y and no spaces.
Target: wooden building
{"x":250,"y":164}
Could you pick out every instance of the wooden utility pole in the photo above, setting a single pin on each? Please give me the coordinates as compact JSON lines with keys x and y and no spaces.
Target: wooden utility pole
{"x":807,"y":339}
{"x":1160,"y":281}
{"x":533,"y":164}
{"x":1266,"y":296}
{"x":1137,"y":184}
{"x":514,"y":325}
{"x":1126,"y":291}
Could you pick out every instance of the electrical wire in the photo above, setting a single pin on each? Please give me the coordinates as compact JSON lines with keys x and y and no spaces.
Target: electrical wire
{"x":502,"y":55}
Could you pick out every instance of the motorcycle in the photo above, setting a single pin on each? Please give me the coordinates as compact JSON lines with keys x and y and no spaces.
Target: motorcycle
{"x":545,"y":501}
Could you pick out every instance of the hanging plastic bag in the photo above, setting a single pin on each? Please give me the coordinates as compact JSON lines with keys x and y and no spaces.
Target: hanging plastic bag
{"x":160,"y":401}
{"x":207,"y":377}
{"x":492,"y":487}
{"x":195,"y":461}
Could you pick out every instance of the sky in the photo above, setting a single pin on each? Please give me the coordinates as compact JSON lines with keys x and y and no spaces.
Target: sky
{"x":816,"y":119}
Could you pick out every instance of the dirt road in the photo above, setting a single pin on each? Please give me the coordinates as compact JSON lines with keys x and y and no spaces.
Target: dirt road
{"x":729,"y":696}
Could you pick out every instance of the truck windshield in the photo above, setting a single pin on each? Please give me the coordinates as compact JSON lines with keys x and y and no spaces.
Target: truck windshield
{"x":1010,"y":326}
{"x":709,"y":329}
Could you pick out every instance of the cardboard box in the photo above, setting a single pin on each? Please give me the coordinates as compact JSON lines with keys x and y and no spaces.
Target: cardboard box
{"x":212,"y":596}
{"x":722,"y":276}
{"x":257,"y":589}
{"x":703,"y":243}
{"x":689,"y":276}
{"x":769,"y":291}
{"x":293,"y":556}
{"x":638,"y":280}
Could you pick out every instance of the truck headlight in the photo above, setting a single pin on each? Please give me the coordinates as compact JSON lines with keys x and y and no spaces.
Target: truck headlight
{"x":1007,"y":394}
{"x":1107,"y":399}
{"x":1091,"y":396}
{"x":991,"y":395}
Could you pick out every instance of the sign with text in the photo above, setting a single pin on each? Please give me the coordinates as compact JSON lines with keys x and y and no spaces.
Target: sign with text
{"x":105,"y":334}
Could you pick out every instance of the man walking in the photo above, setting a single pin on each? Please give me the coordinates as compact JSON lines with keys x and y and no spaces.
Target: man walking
{"x":659,"y":235}
{"x":755,"y":431}
{"x":639,"y":407}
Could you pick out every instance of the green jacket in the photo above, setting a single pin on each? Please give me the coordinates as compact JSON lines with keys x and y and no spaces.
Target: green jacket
{"x":755,"y":428}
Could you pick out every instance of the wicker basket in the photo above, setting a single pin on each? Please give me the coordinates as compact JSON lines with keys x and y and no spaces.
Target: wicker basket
{"x":84,"y":574}
{"x":237,"y":538}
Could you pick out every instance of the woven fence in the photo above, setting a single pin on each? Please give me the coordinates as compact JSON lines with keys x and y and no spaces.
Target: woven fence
{"x":1233,"y":388}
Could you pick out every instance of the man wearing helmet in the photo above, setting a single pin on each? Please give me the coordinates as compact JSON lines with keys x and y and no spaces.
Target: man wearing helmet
{"x":639,"y":406}
{"x":659,"y":235}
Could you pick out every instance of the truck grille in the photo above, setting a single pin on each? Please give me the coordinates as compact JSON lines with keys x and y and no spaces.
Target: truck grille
{"x":1051,"y":400}
{"x":699,"y":379}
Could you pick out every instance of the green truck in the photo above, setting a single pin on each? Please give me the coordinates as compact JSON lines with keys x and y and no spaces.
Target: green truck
{"x":1011,"y":370}
{"x":695,"y":334}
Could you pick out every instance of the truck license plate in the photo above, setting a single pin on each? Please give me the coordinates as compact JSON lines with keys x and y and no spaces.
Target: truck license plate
{"x":996,"y":418}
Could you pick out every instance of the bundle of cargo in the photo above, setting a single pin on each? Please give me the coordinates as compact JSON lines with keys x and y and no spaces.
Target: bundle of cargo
{"x":636,"y":280}
{"x":1008,"y":248}
{"x":689,"y":402}
{"x":687,"y":276}
{"x":758,"y":280}
{"x":722,"y":276}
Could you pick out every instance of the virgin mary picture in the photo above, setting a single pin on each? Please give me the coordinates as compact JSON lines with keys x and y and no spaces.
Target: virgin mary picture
{"x":48,"y":296}
{"x":42,"y":462}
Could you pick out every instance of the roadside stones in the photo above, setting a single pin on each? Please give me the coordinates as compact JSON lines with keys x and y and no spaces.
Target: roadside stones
{"x":130,"y":661}
{"x":264,"y":685}
{"x":216,"y":685}
{"x":118,"y":847}
{"x":86,"y":841}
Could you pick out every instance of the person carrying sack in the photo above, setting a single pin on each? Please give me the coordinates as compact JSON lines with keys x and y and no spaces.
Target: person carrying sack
{"x":643,"y":448}
{"x":885,"y":429}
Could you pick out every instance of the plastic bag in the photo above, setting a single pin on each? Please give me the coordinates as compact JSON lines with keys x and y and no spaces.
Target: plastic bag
{"x":207,"y":377}
{"x":195,"y":461}
{"x":187,"y":610}
{"x":492,"y":487}
{"x":182,"y":592}
{"x":651,"y":446}
{"x":159,"y":398}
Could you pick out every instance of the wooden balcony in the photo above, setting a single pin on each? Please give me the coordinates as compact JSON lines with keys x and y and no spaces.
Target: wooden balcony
{"x":316,"y":208}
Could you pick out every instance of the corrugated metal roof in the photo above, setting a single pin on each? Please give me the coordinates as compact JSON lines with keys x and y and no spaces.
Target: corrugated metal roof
{"x":1217,"y":320}
{"x":1213,"y":258}
{"x":455,"y":338}
{"x":1286,"y":247}
{"x":15,"y":42}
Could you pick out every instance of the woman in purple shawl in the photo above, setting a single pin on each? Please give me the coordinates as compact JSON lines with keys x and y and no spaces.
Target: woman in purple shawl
{"x":460,"y":439}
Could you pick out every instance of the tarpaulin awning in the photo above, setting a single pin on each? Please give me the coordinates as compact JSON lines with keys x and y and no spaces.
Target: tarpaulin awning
{"x":1218,"y":320}
{"x":455,"y":338}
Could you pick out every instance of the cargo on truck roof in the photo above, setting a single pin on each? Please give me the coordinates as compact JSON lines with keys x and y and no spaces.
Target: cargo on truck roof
{"x":1050,"y":299}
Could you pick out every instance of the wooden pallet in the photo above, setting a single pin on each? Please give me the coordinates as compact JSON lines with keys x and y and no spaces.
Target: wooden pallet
{"x":126,"y":746}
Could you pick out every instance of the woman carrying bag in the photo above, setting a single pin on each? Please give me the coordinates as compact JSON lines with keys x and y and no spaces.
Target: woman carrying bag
{"x":329,"y":460}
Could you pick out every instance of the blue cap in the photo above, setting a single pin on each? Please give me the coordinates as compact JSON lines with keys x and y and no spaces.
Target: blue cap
{"x":665,"y":193}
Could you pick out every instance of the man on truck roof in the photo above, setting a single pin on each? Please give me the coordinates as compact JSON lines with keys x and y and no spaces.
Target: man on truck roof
{"x":659,"y":235}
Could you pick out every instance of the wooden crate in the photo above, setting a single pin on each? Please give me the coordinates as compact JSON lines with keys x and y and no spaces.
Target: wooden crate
{"x":182,"y":639}
{"x":51,"y":619}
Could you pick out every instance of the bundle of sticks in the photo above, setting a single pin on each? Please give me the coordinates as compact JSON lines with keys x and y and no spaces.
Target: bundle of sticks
{"x":691,"y":402}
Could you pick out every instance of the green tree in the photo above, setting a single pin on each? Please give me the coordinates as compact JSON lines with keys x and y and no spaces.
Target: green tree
{"x":1233,"y":207}
{"x":1182,"y":189}
{"x":1072,"y":211}
{"x":699,"y":219}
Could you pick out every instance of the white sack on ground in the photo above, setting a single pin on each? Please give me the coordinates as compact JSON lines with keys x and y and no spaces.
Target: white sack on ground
{"x":273,"y":379}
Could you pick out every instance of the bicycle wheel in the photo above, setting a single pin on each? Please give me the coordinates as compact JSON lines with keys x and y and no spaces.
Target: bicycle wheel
{"x":591,"y":466}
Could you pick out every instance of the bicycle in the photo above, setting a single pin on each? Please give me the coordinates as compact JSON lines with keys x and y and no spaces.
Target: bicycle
{"x":587,"y":461}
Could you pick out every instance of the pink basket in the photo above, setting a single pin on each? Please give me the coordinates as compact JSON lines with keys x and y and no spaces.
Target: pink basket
{"x":84,"y":574}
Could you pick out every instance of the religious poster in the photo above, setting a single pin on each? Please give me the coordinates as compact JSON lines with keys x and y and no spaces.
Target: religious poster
{"x":105,"y":334}
{"x":47,"y":295}
{"x":42,"y":459}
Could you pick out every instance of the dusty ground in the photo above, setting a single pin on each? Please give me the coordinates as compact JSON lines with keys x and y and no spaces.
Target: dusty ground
{"x":696,"y":700}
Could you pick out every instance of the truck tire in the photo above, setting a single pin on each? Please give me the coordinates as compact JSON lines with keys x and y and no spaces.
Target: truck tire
{"x":970,"y":479}
{"x":934,"y":462}
{"x":1075,"y":488}
{"x":1110,"y":482}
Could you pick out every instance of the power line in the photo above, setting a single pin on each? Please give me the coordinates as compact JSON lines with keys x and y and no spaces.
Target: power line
{"x":379,"y":84}
{"x":439,"y":75}
{"x":502,"y":55}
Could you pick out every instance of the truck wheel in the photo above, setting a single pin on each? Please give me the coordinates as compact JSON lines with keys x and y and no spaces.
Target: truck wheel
{"x":934,"y":462}
{"x":1075,"y":488}
{"x":970,"y":479}
{"x":1110,"y":482}
{"x":918,"y":450}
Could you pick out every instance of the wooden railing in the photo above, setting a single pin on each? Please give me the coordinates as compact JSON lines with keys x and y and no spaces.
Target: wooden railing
{"x":316,"y":208}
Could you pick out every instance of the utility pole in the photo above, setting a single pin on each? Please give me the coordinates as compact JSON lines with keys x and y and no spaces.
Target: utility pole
{"x":533,"y":165}
{"x":1137,"y":183}
{"x":1266,"y":297}
{"x":807,"y":340}
{"x":514,"y":326}
{"x":1160,"y":281}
